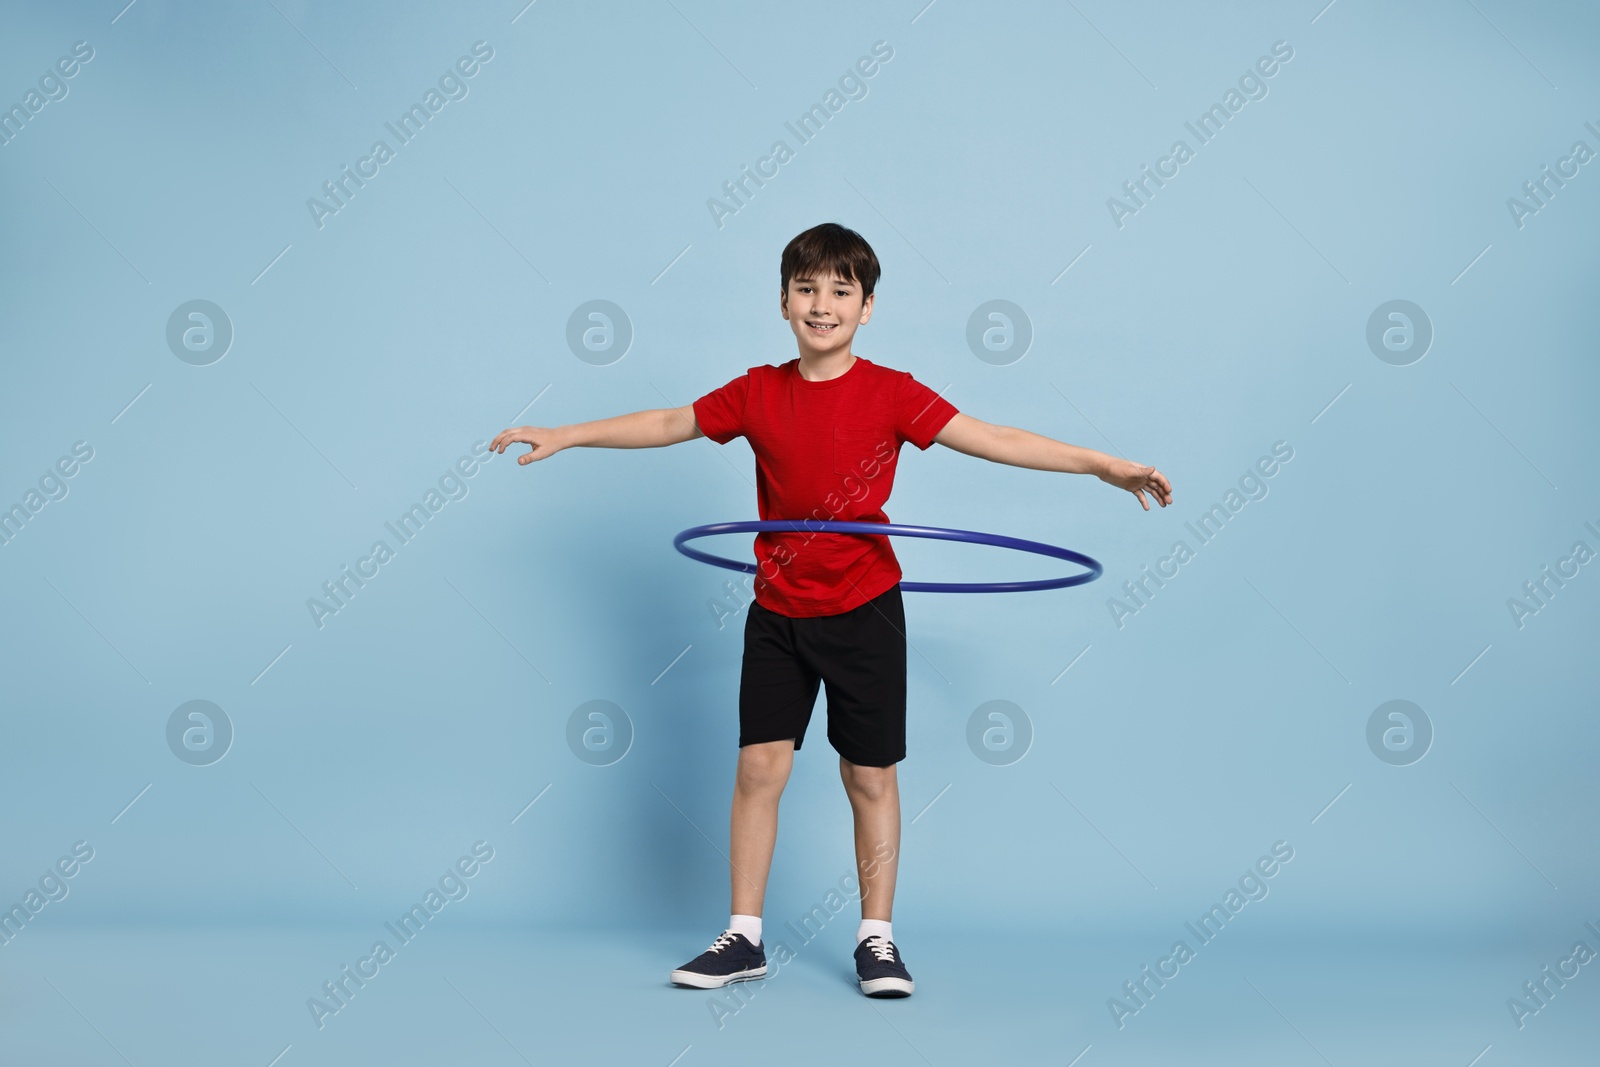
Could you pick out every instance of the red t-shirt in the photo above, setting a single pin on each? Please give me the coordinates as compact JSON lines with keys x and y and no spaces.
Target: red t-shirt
{"x":824,"y":450}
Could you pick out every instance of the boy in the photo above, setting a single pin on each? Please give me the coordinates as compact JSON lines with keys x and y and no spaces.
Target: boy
{"x":826,"y":429}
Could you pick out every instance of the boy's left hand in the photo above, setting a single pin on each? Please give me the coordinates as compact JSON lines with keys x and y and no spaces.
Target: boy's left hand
{"x":1138,"y":479}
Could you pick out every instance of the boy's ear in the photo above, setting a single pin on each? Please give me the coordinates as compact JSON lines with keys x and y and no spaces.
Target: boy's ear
{"x":866,"y":309}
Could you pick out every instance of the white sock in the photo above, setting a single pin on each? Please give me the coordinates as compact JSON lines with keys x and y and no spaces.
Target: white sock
{"x":871,"y":927}
{"x":748,"y":925}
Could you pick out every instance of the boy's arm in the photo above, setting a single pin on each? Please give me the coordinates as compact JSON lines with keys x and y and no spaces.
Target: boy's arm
{"x":681,"y":424}
{"x":1022,"y":448}
{"x":654,"y":428}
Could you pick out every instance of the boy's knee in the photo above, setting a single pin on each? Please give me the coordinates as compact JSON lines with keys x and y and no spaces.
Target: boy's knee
{"x":868,"y":783}
{"x":763,"y":767}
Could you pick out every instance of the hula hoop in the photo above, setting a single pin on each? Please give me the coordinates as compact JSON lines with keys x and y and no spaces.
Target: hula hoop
{"x":886,"y":528}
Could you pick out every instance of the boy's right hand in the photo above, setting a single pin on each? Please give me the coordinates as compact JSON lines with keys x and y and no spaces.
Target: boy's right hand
{"x":546,"y":442}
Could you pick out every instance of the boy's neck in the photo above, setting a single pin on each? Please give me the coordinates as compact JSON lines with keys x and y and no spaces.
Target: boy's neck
{"x":825,"y":367}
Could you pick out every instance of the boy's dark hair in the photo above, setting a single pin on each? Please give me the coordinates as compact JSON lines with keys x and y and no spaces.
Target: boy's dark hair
{"x":830,"y":249}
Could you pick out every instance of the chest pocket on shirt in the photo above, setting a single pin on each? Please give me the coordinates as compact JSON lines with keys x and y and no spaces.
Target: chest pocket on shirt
{"x":862,"y":458}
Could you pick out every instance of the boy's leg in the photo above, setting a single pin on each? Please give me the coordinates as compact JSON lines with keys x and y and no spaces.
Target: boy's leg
{"x":758,"y":784}
{"x":861,"y":654}
{"x":875,"y":801}
{"x":776,"y":693}
{"x":738,"y":955}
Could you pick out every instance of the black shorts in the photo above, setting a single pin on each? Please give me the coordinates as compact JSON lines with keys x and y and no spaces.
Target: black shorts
{"x":860,"y":654}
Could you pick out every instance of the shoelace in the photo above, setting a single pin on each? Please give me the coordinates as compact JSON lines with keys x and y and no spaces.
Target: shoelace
{"x":881,"y":948}
{"x":723,"y":940}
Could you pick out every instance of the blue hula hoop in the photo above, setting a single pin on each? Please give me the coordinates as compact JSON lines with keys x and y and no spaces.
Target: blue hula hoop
{"x":886,"y":528}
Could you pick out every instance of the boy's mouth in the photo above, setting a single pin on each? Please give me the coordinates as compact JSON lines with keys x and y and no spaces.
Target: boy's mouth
{"x":821,"y":327}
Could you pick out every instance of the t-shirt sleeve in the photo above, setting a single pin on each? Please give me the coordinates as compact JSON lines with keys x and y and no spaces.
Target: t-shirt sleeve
{"x":920,"y":413}
{"x":720,"y":413}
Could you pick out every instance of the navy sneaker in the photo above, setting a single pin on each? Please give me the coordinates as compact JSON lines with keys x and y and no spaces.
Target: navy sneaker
{"x":731,"y":958}
{"x":880,"y":969}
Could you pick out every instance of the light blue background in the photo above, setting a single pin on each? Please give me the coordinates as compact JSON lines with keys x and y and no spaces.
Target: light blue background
{"x":1227,"y":315}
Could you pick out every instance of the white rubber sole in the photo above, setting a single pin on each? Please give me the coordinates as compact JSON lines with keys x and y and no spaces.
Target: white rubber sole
{"x":888,"y":987}
{"x":717,"y":981}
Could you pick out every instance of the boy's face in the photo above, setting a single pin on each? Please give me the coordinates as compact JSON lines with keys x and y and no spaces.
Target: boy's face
{"x":824,"y":312}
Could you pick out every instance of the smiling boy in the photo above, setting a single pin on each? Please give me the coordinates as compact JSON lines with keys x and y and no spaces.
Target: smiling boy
{"x":826,"y":428}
